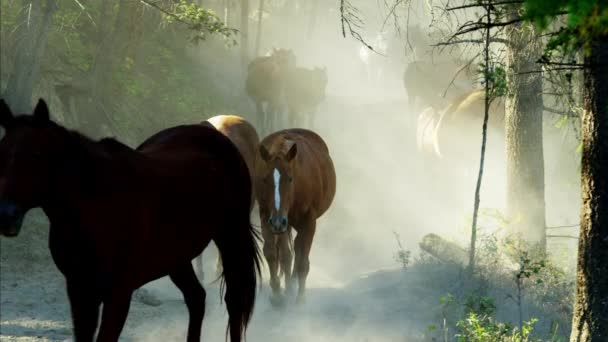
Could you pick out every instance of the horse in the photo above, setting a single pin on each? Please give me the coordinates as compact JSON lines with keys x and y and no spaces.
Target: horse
{"x":295,"y":185}
{"x":265,"y":81}
{"x":244,"y":136}
{"x":444,"y":136}
{"x":428,"y":83}
{"x":120,"y":218}
{"x":304,"y":91}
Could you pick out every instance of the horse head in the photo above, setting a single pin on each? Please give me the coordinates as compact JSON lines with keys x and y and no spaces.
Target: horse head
{"x":276,"y":175}
{"x":26,"y":162}
{"x":285,"y":58}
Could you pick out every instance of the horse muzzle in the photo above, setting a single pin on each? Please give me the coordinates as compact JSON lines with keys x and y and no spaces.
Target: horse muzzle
{"x":11,"y":219}
{"x":278,"y":225}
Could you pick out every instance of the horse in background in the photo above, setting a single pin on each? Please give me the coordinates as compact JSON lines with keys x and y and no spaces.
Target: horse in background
{"x":435,"y":84}
{"x":374,"y":60}
{"x":304,"y":91}
{"x":244,"y":136}
{"x":450,"y":138}
{"x":265,"y":83}
{"x":435,"y":78}
{"x":121,"y":218}
{"x":295,"y":185}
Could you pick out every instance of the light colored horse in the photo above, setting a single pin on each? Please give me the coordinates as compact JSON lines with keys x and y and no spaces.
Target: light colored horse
{"x":244,"y":136}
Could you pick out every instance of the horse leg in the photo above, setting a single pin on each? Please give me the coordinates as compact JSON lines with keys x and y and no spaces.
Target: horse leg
{"x":219,"y":267}
{"x":194,"y":296}
{"x":115,"y":311}
{"x":270,"y":253}
{"x":85,"y":311}
{"x":302,"y":245}
{"x":199,"y":267}
{"x":286,"y":260}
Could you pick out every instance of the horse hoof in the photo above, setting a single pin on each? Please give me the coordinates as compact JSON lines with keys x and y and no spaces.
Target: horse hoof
{"x":290,"y":292}
{"x":277,"y":300}
{"x":145,"y":297}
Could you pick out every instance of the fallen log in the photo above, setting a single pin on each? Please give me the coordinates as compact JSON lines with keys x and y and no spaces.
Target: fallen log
{"x":445,"y":251}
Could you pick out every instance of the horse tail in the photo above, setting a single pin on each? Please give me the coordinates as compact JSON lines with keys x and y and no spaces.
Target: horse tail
{"x":239,"y":251}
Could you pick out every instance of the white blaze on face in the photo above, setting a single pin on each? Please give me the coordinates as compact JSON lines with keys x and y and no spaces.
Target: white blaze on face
{"x":277,"y":194}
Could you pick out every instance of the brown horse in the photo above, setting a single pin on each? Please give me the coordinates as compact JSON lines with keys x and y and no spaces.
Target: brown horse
{"x":244,"y":136}
{"x":304,"y":91}
{"x":122,"y":218}
{"x":266,"y":76}
{"x":295,"y":184}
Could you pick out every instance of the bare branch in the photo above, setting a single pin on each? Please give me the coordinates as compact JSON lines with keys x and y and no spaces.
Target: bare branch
{"x":458,"y":73}
{"x":566,"y":226}
{"x":482,"y":4}
{"x":473,"y":41}
{"x":563,"y":236}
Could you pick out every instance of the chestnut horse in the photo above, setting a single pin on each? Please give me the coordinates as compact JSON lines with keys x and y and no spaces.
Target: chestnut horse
{"x":295,"y":184}
{"x":244,"y":136}
{"x":121,"y":218}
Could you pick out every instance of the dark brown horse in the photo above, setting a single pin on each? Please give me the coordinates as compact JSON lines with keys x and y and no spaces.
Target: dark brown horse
{"x":121,"y":218}
{"x":266,"y":76}
{"x":244,"y":136}
{"x":295,"y":184}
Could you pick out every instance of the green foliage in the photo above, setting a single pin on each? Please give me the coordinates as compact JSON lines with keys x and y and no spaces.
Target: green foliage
{"x":202,"y":21}
{"x":481,"y":328}
{"x":587,"y":19}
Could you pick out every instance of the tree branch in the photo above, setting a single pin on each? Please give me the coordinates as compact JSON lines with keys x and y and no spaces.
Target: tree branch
{"x":473,"y":41}
{"x":482,"y":4}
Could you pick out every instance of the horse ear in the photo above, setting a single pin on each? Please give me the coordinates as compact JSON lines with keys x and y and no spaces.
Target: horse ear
{"x":41,"y":112}
{"x":6,"y":115}
{"x":264,"y":153}
{"x":293,"y":150}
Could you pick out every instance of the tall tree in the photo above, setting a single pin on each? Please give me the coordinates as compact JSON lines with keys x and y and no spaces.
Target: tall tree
{"x":524,"y":131}
{"x":588,"y":29}
{"x":258,"y":35}
{"x":244,"y":33}
{"x":32,"y":32}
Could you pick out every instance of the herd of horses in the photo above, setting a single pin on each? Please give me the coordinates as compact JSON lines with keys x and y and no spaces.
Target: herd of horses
{"x":122,"y":217}
{"x":276,"y":86}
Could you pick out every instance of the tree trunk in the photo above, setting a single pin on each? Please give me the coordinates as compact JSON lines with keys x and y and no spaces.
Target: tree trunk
{"x":524,"y":134}
{"x":258,"y":37}
{"x":590,"y":321}
{"x":31,"y":43}
{"x":244,"y":33}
